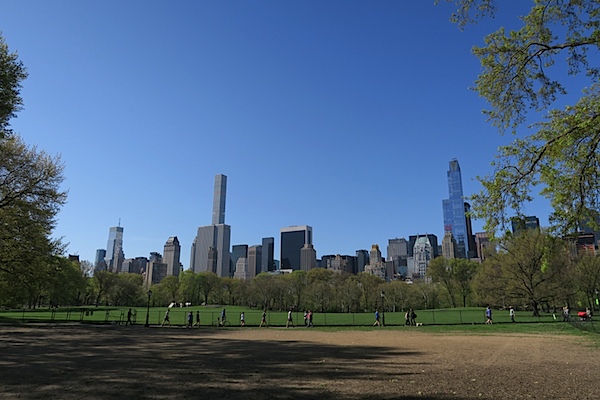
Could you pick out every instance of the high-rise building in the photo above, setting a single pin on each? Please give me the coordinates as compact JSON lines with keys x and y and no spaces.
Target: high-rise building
{"x":172,"y":252}
{"x":448,"y":246}
{"x":238,"y":251}
{"x":339,"y":263}
{"x":114,"y":249}
{"x":484,"y":246}
{"x":293,"y":239}
{"x":268,"y":254}
{"x":308,"y":257}
{"x":99,"y":262}
{"x":397,"y":248}
{"x":423,"y":254}
{"x":455,"y":220}
{"x":376,"y":264}
{"x":520,"y":224}
{"x":362,"y":259}
{"x":254,"y":260}
{"x":220,"y":193}
{"x":433,"y":240}
{"x":156,"y":269}
{"x":210,"y":248}
{"x":241,"y":269}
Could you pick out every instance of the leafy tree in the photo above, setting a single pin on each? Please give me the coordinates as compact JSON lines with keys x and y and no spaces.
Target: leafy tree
{"x":12,"y":73}
{"x":396,"y":295}
{"x":587,"y":276}
{"x":532,"y":267}
{"x":30,"y":198}
{"x":529,"y":69}
{"x":208,"y":282}
{"x":170,"y":284}
{"x":349,"y":294}
{"x":440,"y":269}
{"x":230,"y":289}
{"x":189,"y":289}
{"x":297,"y":282}
{"x":263,"y":290}
{"x":463,"y":271}
{"x":102,"y":283}
{"x":65,"y":282}
{"x":369,"y":284}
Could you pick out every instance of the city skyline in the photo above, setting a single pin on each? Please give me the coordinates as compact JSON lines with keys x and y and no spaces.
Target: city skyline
{"x":343,"y":119}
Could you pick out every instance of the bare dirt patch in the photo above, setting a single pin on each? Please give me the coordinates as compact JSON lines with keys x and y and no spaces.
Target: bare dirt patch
{"x":117,"y":362}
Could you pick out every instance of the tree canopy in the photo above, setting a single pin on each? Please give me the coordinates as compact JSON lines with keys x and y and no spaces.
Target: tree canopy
{"x":525,"y":73}
{"x":12,"y":73}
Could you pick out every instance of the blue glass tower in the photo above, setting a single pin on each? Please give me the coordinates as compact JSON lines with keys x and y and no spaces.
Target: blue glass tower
{"x":455,"y":220}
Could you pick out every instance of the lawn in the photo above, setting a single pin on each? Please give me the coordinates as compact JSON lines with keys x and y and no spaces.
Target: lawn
{"x":210,"y":314}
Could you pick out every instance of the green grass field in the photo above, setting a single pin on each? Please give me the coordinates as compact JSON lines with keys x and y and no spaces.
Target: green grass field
{"x":210,"y":314}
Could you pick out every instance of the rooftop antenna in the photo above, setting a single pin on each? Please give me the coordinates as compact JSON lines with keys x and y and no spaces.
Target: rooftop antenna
{"x":119,"y":222}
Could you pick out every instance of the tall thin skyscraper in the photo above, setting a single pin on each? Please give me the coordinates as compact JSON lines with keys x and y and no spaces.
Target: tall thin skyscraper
{"x":454,"y":210}
{"x":218,"y":214}
{"x":114,"y":249}
{"x":210,"y":248}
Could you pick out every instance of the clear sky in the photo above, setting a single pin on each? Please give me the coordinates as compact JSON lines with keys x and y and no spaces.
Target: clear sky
{"x":341,"y":115}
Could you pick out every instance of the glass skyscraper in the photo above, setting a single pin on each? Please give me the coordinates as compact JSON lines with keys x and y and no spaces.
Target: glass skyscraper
{"x":293,"y":240}
{"x":455,"y":220}
{"x":114,"y":249}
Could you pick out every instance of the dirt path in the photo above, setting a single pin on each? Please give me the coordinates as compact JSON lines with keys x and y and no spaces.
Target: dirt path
{"x":116,"y":362}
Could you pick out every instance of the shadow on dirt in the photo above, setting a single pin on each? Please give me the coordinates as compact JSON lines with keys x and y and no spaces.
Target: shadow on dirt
{"x":136,"y":363}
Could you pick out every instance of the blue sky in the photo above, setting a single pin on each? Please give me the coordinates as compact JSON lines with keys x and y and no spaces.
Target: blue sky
{"x":341,"y":115}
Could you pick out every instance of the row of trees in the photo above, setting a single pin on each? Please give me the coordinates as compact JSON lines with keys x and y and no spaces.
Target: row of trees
{"x":532,"y":270}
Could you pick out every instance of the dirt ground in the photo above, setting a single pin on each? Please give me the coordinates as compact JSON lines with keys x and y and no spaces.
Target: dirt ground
{"x":118,"y":362}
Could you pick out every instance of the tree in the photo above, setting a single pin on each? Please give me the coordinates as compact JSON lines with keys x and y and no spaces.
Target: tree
{"x":208,"y":282}
{"x":528,"y":70}
{"x":189,"y":289}
{"x":12,"y":73}
{"x":102,"y":282}
{"x":531,"y":268}
{"x":440,"y":270}
{"x":463,"y":272}
{"x":587,"y":276}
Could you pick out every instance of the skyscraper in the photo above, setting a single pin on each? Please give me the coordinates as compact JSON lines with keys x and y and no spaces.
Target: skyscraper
{"x":99,"y":261}
{"x":254,"y":260}
{"x":114,"y":249}
{"x":454,"y":210}
{"x":220,"y":192}
{"x":210,"y":249}
{"x":268,"y":255}
{"x":293,"y":239}
{"x":172,"y":252}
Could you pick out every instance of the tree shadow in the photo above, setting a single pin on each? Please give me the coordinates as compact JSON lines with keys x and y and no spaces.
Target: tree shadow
{"x":137,"y":363}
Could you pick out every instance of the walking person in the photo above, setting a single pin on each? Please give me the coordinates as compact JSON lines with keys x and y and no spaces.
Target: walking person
{"x":242,"y":319}
{"x":413,"y":317}
{"x":129,"y":314}
{"x":310,"y":319}
{"x":190,"y":320}
{"x":263,"y":319}
{"x":289,"y":319}
{"x":305,"y":318}
{"x":197,"y":319}
{"x":166,"y":319}
{"x":377,"y":323}
{"x":511,"y":313}
{"x":488,"y":316}
{"x":223,"y":318}
{"x":407,"y":318}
